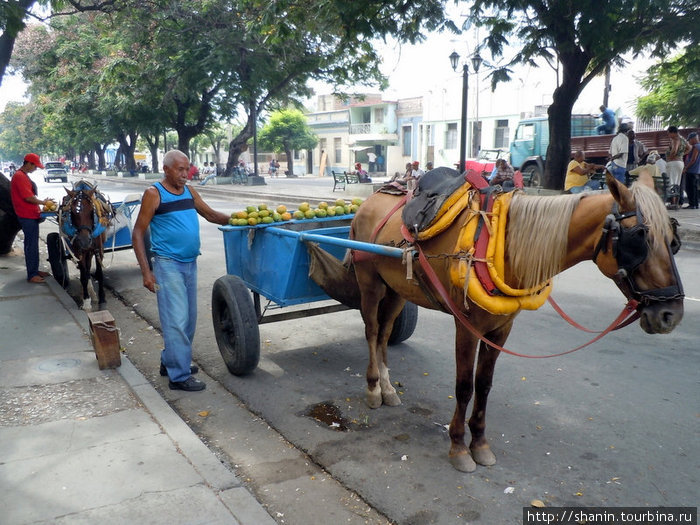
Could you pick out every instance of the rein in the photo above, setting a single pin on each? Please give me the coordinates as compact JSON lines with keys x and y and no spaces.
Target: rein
{"x":626,"y":316}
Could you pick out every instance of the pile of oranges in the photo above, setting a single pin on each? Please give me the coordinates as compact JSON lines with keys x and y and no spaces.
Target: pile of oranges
{"x":261,"y":214}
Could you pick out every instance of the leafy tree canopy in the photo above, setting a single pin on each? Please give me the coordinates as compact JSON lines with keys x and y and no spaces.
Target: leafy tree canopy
{"x":582,"y":37}
{"x":287,"y":130}
{"x":673,"y":90}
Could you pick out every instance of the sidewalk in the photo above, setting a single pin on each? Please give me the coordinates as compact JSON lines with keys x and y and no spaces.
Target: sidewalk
{"x":81,"y":445}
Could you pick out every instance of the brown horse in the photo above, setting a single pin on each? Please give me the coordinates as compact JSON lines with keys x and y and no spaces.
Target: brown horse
{"x":544,"y":236}
{"x":80,"y":223}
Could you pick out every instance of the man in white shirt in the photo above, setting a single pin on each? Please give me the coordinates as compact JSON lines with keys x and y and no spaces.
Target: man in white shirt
{"x":619,"y":148}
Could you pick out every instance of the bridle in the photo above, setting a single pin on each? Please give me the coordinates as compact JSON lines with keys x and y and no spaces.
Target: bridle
{"x":66,"y":222}
{"x":630,"y":247}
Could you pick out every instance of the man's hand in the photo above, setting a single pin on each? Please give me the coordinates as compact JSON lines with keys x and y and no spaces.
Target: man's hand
{"x":149,"y":281}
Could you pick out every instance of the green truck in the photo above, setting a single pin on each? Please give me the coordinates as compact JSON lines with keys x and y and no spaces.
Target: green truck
{"x":528,"y":150}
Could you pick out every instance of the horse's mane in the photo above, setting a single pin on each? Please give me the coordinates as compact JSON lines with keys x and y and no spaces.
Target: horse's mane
{"x":654,"y":214}
{"x":538,"y":228}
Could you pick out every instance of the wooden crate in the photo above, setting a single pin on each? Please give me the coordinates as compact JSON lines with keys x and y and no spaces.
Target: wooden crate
{"x":105,"y":339}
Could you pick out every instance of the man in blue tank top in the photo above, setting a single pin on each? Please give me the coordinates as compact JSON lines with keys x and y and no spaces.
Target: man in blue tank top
{"x":170,"y":208}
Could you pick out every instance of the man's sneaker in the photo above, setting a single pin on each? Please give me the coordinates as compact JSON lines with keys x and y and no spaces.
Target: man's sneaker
{"x":189,"y":385}
{"x":164,"y":372}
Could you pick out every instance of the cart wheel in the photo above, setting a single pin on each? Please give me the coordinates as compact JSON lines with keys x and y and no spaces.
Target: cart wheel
{"x":405,"y":324}
{"x":57,"y":259}
{"x":235,"y":324}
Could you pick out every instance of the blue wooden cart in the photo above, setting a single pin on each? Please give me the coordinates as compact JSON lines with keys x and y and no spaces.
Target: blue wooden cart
{"x":272,"y":262}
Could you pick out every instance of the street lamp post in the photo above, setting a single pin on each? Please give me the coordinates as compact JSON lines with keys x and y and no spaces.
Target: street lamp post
{"x":454,"y":62}
{"x":476,"y":135}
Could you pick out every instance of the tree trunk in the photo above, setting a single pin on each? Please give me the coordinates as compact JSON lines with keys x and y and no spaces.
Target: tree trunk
{"x":128,"y":148}
{"x":100,"y":151}
{"x":238,"y":145}
{"x":153,"y":141}
{"x":290,"y":160}
{"x":559,"y":149}
{"x":9,"y":225}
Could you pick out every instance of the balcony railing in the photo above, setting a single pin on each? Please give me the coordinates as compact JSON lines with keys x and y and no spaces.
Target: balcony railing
{"x":368,"y":128}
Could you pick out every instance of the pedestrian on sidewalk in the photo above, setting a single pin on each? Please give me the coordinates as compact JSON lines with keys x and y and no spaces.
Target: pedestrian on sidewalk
{"x":170,"y":209}
{"x":23,"y":192}
{"x":692,"y":171}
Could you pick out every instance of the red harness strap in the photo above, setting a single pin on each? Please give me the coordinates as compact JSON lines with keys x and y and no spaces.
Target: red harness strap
{"x":358,"y":255}
{"x":620,"y":321}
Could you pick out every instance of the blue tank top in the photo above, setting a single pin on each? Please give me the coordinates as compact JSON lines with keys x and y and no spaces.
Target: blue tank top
{"x":175,"y":226}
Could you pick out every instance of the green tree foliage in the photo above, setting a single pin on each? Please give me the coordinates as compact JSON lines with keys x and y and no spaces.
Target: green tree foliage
{"x":287,"y":131}
{"x":20,"y":131}
{"x":583,"y":36}
{"x":673,"y":88}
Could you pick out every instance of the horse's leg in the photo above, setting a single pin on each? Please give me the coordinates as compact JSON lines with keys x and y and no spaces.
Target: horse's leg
{"x":99,"y":276}
{"x":465,"y":352}
{"x":84,"y":265}
{"x":481,"y":452}
{"x":372,"y":290}
{"x":389,"y":310}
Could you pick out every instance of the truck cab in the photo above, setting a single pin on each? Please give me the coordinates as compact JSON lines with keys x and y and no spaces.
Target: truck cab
{"x":528,"y":150}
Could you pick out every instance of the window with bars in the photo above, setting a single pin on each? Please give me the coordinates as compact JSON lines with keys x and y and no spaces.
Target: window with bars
{"x":451,"y":136}
{"x":337,"y":147}
{"x":407,"y":139}
{"x":500,"y":138}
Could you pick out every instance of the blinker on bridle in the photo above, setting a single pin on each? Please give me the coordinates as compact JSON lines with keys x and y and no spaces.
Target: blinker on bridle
{"x":630,"y":247}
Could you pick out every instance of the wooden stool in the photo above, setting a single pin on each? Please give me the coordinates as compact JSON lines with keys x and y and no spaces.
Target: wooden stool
{"x":105,"y":339}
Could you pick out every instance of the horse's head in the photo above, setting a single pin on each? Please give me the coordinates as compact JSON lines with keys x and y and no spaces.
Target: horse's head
{"x":636,"y":250}
{"x":82,"y":216}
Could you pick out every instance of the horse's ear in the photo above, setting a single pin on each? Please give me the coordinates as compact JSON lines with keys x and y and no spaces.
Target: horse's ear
{"x":69,"y":192}
{"x":620,"y":192}
{"x":646,"y":178}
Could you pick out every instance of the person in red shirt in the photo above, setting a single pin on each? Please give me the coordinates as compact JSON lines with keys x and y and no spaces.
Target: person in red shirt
{"x":26,"y":204}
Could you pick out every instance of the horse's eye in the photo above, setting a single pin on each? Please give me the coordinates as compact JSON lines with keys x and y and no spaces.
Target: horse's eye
{"x":676,"y":240}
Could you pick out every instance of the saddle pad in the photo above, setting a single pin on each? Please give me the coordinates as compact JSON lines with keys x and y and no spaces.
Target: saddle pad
{"x":503,"y":299}
{"x":429,"y":199}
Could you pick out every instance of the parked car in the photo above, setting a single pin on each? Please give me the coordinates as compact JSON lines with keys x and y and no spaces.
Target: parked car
{"x":486,"y":160}
{"x":55,"y":170}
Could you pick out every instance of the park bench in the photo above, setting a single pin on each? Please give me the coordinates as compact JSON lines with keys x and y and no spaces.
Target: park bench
{"x":338,"y":180}
{"x":661,"y":185}
{"x":352,"y":178}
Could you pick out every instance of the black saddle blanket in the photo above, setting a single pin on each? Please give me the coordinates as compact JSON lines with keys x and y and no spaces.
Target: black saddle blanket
{"x":433,"y":189}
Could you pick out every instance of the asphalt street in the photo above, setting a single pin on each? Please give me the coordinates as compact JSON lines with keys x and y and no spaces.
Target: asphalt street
{"x":615,"y":424}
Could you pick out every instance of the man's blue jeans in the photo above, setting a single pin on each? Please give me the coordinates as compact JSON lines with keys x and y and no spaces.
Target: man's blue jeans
{"x":176,"y":292}
{"x":30,"y":228}
{"x":619,"y":172}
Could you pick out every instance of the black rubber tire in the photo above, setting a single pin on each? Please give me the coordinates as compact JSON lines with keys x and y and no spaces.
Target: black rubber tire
{"x":405,"y":324}
{"x":535,"y":179}
{"x":57,"y":259}
{"x":235,"y":325}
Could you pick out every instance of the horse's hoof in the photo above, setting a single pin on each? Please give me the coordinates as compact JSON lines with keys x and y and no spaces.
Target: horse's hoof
{"x":391,"y":399}
{"x":87,"y":307}
{"x":463,"y":462}
{"x":374,"y":400}
{"x":484,"y":456}
{"x":102,"y":306}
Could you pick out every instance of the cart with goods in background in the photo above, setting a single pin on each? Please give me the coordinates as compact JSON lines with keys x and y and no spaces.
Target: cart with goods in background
{"x":285,"y":281}
{"x":117,"y":236}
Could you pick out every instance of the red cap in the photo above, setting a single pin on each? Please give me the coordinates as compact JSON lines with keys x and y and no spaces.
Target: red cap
{"x":416,"y":163}
{"x":34,"y":159}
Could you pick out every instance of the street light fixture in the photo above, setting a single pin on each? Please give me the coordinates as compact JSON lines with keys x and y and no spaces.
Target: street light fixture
{"x":476,"y":134}
{"x":454,"y":62}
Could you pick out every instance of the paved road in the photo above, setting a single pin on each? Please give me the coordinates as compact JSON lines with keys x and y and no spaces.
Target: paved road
{"x":614,"y":424}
